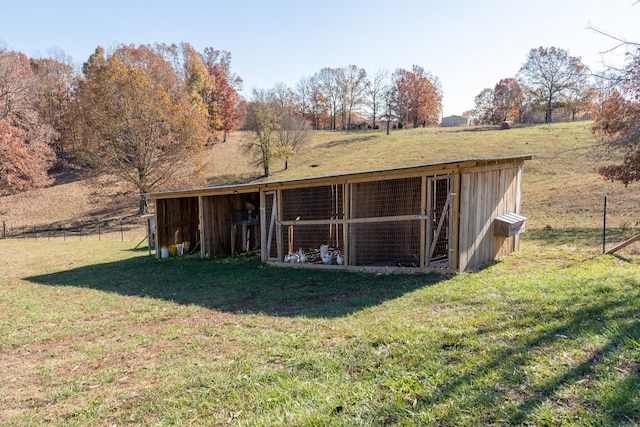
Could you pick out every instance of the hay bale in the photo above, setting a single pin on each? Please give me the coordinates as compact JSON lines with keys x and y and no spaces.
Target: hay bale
{"x":506,"y":125}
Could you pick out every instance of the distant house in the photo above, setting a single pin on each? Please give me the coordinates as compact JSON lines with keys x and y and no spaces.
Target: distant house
{"x":451,"y":121}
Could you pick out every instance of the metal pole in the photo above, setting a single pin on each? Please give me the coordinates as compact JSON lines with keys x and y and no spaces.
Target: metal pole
{"x":604,"y":223}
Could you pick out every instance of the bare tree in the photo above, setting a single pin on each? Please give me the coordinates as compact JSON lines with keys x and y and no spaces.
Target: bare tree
{"x":355,"y":80}
{"x":483,"y":111}
{"x":279,"y":131}
{"x":548,"y":74}
{"x":376,"y":90}
{"x":328,"y":84}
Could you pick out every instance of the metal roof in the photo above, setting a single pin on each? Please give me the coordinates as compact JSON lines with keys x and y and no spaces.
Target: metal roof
{"x":247,"y":187}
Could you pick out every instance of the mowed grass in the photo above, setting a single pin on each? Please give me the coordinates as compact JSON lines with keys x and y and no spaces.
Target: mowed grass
{"x":94,"y":333}
{"x":560,"y":187}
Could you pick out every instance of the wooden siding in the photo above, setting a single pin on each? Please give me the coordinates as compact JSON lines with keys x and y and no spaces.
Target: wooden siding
{"x":487,"y":192}
{"x":387,"y":217}
{"x":176,"y":221}
{"x":216,"y":223}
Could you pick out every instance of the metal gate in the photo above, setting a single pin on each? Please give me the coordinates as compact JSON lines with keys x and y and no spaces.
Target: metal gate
{"x":439,"y":224}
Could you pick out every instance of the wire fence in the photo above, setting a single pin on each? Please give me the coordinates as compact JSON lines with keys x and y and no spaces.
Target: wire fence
{"x":95,"y":229}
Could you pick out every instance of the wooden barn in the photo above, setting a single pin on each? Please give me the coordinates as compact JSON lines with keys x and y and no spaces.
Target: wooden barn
{"x":449,"y":216}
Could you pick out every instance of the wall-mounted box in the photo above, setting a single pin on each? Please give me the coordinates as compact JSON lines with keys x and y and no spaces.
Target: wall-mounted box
{"x":508,"y":225}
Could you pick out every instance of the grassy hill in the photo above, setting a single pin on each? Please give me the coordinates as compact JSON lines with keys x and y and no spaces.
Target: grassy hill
{"x":560,"y":188}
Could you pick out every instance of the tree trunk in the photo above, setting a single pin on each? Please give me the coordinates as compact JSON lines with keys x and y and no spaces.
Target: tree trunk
{"x":143,"y":205}
{"x":549,"y":111}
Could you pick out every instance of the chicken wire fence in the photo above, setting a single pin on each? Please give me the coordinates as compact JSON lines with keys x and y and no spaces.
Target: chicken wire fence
{"x":401,"y":222}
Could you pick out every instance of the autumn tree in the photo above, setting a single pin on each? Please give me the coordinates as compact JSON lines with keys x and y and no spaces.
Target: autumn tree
{"x":418,"y":96}
{"x":311,"y":102}
{"x":25,"y":153}
{"x":224,"y":96}
{"x":507,"y":100}
{"x":548,"y":74}
{"x":579,"y":99}
{"x":617,"y":120}
{"x":139,"y":120}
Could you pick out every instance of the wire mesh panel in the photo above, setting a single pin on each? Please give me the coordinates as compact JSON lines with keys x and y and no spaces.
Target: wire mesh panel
{"x":322,"y":204}
{"x":439,"y":230}
{"x":380,"y":232}
{"x":391,"y":244}
{"x":312,"y":203}
{"x":391,"y":197}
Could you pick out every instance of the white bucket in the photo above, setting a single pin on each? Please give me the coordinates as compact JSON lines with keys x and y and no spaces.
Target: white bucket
{"x":180,"y":252}
{"x":164,"y":252}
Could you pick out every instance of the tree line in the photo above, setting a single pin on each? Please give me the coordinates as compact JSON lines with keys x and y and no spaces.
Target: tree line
{"x":550,"y":85}
{"x":143,"y":114}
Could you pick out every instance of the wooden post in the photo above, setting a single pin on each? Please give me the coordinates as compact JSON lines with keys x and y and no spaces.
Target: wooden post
{"x":604,"y":224}
{"x":4,"y":230}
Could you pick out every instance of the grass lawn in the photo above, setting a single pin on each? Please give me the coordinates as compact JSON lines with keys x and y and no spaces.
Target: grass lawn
{"x":94,"y":333}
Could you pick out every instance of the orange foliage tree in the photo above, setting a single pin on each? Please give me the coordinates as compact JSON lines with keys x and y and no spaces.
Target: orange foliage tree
{"x":223,"y":97}
{"x":507,"y":100}
{"x":139,"y":120}
{"x":25,"y":153}
{"x":418,"y":96}
{"x":617,"y":121}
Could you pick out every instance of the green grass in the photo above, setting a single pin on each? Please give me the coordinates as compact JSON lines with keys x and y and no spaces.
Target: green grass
{"x":560,"y":188}
{"x":97,"y":334}
{"x":94,"y":333}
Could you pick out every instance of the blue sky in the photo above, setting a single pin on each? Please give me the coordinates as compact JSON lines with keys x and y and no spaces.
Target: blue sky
{"x":468,"y":45}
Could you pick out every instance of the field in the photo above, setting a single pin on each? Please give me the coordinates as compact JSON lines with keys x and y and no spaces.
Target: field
{"x":97,"y":333}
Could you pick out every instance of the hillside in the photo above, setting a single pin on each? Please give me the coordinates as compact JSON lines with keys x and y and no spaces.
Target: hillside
{"x":559,"y":190}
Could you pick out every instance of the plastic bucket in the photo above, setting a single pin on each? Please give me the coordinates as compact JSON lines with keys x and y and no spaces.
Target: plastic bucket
{"x":186,"y":247}
{"x":164,"y":252}
{"x":179,"y":249}
{"x":173,"y":250}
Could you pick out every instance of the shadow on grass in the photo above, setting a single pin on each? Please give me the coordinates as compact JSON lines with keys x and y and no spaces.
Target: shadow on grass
{"x":242,"y":285}
{"x":349,"y":141}
{"x":507,"y":367}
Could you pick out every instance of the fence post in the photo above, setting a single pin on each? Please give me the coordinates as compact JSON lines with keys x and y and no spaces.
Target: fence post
{"x":4,"y":230}
{"x":121,"y":231}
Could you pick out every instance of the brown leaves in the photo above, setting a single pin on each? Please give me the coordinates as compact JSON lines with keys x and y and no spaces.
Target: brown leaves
{"x":25,"y":156}
{"x":617,"y":122}
{"x":138,"y":118}
{"x":418,"y":96}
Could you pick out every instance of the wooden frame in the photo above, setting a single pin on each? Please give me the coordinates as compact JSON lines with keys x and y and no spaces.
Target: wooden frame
{"x":478,"y":190}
